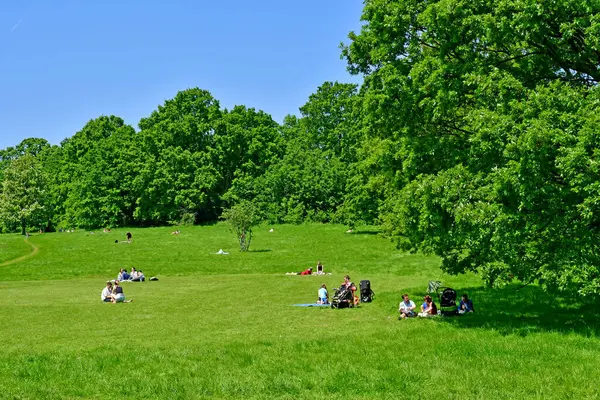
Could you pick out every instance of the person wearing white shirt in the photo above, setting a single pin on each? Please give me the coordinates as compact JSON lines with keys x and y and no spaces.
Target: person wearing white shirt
{"x":407,"y":307}
{"x":106,"y":292}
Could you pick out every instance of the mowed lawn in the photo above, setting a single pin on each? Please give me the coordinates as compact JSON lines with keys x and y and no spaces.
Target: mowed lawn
{"x":223,"y":326}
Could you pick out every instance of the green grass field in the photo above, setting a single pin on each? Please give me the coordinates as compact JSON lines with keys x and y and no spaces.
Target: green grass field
{"x":222,"y":326}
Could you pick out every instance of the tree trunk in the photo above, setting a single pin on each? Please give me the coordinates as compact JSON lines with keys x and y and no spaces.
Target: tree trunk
{"x":23,"y":226}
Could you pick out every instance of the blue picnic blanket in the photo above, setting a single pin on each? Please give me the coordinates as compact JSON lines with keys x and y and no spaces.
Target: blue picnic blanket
{"x":311,"y":305}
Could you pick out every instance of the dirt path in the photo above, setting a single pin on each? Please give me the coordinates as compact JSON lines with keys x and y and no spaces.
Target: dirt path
{"x":34,"y":251}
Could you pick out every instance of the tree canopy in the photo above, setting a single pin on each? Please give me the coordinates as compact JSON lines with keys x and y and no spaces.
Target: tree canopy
{"x":487,"y":113}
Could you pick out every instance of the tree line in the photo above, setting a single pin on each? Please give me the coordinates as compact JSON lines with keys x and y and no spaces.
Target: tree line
{"x":473,"y":136}
{"x":189,"y":160}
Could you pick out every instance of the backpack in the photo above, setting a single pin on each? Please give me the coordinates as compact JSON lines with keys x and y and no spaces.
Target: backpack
{"x":366,"y":294}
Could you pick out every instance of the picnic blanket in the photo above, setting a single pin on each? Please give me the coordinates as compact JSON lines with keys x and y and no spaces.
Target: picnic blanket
{"x":311,"y":305}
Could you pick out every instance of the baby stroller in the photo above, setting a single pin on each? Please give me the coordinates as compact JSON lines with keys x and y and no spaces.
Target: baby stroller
{"x":446,"y":298}
{"x":342,"y":298}
{"x":366,"y":294}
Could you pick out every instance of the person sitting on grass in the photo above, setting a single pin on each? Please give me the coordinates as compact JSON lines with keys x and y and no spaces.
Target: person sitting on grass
{"x":407,"y":307}
{"x":323,"y":295}
{"x":107,"y":292}
{"x":428,"y":309}
{"x":123,"y":275}
{"x":128,"y":235}
{"x":348,"y":284}
{"x":465,"y":305}
{"x":117,"y":295}
{"x":139,"y":277}
{"x":320,"y":270}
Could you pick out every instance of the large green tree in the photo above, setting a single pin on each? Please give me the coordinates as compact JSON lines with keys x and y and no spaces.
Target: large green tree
{"x":177,"y":177}
{"x":23,"y":195}
{"x":486,"y":115}
{"x":97,"y":172}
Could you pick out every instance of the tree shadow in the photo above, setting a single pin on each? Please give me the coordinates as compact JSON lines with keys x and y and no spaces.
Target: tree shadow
{"x":514,"y":311}
{"x":260,"y":251}
{"x":364,"y":233}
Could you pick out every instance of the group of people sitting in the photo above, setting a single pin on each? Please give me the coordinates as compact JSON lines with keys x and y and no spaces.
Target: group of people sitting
{"x":134,"y":276}
{"x":408,"y":308}
{"x":309,"y":271}
{"x":113,"y":293}
{"x":323,"y":294}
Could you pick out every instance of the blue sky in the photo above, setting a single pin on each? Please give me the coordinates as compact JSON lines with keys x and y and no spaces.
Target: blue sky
{"x":64,"y":62}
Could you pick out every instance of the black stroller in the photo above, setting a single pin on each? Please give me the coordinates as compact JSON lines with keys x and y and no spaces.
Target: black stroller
{"x":366,"y":294}
{"x":446,"y":296}
{"x":342,"y":298}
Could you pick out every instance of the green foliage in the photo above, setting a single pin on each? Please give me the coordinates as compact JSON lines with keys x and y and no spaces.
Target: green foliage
{"x":97,"y":171}
{"x":307,"y":180}
{"x":242,"y":217}
{"x":23,"y":195}
{"x":486,"y":111}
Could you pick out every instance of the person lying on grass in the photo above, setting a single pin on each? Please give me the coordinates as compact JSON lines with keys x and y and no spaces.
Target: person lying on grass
{"x":407,"y":307}
{"x":323,"y":295}
{"x":465,"y":305}
{"x":107,"y":292}
{"x":428,"y":309}
{"x":117,"y":295}
{"x":305,"y":272}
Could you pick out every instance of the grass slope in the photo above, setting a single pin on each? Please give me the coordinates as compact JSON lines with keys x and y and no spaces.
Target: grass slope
{"x":222,"y":326}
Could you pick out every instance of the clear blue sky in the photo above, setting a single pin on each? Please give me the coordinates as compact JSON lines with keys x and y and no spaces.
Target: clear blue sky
{"x":64,"y":62}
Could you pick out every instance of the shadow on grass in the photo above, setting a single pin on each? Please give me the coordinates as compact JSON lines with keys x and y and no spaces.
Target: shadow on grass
{"x":528,"y":310}
{"x":364,"y":233}
{"x":260,"y":251}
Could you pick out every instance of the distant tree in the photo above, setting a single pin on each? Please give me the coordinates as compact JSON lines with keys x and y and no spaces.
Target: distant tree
{"x":22,"y":200}
{"x":242,"y":217}
{"x":329,"y":120}
{"x":177,"y":174}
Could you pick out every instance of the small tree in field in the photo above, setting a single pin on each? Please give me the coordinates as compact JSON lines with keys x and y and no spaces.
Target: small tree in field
{"x":242,"y":217}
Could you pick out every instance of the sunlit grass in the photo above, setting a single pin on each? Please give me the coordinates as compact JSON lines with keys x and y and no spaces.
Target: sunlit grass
{"x":223,"y":326}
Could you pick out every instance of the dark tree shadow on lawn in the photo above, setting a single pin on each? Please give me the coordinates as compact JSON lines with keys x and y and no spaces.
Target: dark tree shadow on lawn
{"x":364,"y":233}
{"x":520,"y":311}
{"x":260,"y":251}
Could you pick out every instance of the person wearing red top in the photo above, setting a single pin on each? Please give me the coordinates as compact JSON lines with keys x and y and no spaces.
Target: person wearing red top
{"x":306,"y":272}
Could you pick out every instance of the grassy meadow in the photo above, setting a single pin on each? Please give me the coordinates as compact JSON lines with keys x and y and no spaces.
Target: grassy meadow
{"x":223,"y":326}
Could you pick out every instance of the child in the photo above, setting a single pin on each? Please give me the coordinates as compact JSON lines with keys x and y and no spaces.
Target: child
{"x":323,"y":295}
{"x":466,"y":305}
